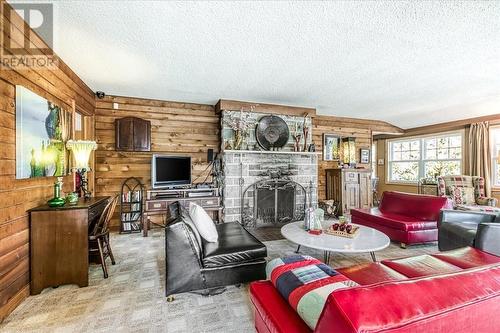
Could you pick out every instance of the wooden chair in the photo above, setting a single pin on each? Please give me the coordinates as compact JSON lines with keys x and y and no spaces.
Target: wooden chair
{"x":99,"y":236}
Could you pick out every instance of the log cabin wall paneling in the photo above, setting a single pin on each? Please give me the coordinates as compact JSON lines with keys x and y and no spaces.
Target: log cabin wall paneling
{"x":61,"y":86}
{"x":180,"y":129}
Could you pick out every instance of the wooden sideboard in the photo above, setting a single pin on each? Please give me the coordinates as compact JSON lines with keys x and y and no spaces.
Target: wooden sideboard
{"x":157,"y":202}
{"x":351,"y":188}
{"x":59,"y":243}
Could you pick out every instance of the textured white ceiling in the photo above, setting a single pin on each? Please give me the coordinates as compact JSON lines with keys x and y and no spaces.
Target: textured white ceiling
{"x":409,"y":63}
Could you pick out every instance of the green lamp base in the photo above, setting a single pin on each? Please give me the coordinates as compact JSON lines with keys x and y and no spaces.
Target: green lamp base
{"x":56,"y":202}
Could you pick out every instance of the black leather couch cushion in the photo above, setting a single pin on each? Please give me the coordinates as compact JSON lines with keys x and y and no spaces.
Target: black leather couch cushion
{"x":462,"y":233}
{"x":235,"y":246}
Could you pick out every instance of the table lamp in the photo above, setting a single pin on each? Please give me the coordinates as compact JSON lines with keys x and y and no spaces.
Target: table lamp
{"x":348,"y":149}
{"x":81,"y":154}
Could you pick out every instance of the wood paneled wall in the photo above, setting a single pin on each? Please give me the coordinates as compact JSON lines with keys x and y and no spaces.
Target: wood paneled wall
{"x":361,"y":129}
{"x":181,"y":129}
{"x":61,"y":86}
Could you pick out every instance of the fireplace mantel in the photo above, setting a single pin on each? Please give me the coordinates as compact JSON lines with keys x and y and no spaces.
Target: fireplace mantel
{"x":306,"y":153}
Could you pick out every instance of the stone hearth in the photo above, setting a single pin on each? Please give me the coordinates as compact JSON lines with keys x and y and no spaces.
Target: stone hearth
{"x":243,"y":169}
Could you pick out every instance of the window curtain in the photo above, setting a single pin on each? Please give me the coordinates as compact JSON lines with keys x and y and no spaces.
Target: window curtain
{"x":479,"y":154}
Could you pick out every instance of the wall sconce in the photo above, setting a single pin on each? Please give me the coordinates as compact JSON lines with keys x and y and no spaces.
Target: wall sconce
{"x":349,"y":150}
{"x":81,"y":155}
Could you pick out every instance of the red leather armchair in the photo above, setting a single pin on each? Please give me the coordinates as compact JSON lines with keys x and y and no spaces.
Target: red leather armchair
{"x":405,"y":218}
{"x":419,"y":294}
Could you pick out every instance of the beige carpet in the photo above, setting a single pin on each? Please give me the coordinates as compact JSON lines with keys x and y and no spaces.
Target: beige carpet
{"x":132,"y":298}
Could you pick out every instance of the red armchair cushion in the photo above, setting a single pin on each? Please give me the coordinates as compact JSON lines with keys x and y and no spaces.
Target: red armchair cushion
{"x":394,"y":221}
{"x":420,"y":207}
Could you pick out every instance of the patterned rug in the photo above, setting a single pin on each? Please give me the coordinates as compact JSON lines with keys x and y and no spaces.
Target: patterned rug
{"x":133,"y":299}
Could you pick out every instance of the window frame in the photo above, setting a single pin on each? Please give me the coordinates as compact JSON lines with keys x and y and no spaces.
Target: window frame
{"x":495,"y":183}
{"x":421,"y":161}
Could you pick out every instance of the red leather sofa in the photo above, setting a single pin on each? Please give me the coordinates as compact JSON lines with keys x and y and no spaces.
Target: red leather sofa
{"x":455,"y":291}
{"x":405,"y":218}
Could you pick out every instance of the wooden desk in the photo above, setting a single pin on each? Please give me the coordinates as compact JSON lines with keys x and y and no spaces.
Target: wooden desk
{"x":59,"y":243}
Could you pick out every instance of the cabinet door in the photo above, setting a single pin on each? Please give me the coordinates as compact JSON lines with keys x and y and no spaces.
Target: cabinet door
{"x":365,"y":190}
{"x":142,"y":135}
{"x":351,"y":197}
{"x":124,"y":134}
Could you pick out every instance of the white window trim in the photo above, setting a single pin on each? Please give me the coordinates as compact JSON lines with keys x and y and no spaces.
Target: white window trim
{"x":494,"y":154}
{"x":421,"y":161}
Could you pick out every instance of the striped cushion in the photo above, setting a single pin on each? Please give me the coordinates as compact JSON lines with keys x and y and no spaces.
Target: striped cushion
{"x":305,"y":283}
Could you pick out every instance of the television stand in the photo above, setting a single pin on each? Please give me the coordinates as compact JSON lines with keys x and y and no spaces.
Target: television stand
{"x":157,"y":202}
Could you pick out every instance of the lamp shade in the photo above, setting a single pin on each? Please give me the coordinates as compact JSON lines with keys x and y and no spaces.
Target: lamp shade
{"x":81,"y":152}
{"x":349,"y":150}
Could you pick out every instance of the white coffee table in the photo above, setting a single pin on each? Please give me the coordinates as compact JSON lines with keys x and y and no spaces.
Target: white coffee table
{"x":366,"y":240}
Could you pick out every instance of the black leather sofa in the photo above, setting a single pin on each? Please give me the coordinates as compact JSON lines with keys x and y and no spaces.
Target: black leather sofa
{"x":458,"y":228}
{"x":192,"y":264}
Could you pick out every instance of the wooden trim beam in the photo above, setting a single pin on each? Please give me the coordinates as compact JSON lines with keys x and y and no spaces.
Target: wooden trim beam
{"x":444,"y":127}
{"x":224,"y":104}
{"x":377,"y":126}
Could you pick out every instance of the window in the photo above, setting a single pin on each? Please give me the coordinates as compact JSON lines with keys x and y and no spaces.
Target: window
{"x":424,"y":157}
{"x":495,"y":153}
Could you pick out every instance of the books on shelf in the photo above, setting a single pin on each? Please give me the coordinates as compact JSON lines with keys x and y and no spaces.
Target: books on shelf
{"x":132,"y":196}
{"x":130,"y":226}
{"x":131,"y":217}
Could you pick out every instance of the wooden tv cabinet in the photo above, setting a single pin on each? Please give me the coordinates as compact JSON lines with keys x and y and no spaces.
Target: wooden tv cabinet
{"x":157,"y":202}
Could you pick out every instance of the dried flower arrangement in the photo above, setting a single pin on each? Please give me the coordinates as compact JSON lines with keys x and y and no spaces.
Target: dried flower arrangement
{"x":241,"y":124}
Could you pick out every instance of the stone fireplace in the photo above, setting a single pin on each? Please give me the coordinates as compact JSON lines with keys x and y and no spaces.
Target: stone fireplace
{"x":268,"y":189}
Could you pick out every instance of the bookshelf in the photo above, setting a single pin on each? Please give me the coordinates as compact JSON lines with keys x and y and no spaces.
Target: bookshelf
{"x":131,"y":205}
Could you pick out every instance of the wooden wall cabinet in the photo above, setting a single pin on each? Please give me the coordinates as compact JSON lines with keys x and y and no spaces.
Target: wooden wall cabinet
{"x":133,"y":134}
{"x":351,"y":188}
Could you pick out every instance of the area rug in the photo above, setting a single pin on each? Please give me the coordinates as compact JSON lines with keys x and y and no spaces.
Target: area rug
{"x":133,"y":299}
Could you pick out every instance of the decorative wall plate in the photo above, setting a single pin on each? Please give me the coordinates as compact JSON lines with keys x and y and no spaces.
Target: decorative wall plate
{"x":272,"y":132}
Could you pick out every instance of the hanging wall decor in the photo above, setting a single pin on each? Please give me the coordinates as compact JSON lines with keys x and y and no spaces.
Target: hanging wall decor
{"x":272,"y":132}
{"x":364,"y":155}
{"x":42,"y":129}
{"x":331,"y":147}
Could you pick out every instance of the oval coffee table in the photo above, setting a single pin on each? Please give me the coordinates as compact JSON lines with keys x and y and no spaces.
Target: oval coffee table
{"x":367,"y":240}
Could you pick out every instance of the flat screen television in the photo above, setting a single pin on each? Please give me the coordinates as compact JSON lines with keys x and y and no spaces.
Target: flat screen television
{"x":170,"y":171}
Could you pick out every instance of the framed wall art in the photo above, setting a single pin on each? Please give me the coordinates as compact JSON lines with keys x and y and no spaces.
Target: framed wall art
{"x":331,"y":147}
{"x":364,"y":154}
{"x":42,"y":129}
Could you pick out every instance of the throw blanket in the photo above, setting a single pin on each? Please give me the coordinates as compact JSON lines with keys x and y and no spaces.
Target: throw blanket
{"x":305,"y":283}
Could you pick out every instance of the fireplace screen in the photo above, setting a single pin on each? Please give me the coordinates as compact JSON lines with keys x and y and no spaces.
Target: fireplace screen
{"x":273,"y":202}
